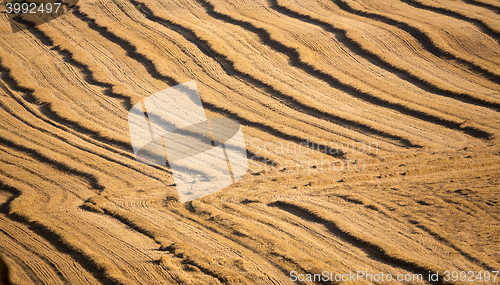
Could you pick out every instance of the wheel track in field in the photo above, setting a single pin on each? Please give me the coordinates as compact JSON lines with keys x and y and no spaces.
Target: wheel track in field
{"x":223,"y":110}
{"x":377,"y":250}
{"x":75,"y":169}
{"x":129,"y":47}
{"x":58,"y":241}
{"x":483,"y":4}
{"x":81,"y":128}
{"x":193,"y":213}
{"x":230,"y":217}
{"x":93,"y":79}
{"x":134,"y":54}
{"x":4,"y":209}
{"x":67,"y":54}
{"x":50,"y":110}
{"x":133,"y":227}
{"x":450,"y":244}
{"x":178,"y":246}
{"x":146,"y":228}
{"x":84,"y":68}
{"x":190,"y":214}
{"x":484,"y":166}
{"x":448,"y":166}
{"x":103,"y":154}
{"x":145,"y":232}
{"x":229,"y":67}
{"x":226,"y":222}
{"x":371,"y":55}
{"x":484,"y":27}
{"x":423,"y":39}
{"x":64,"y":161}
{"x":432,"y":175}
{"x":53,"y":267}
{"x":294,"y":56}
{"x":52,"y":123}
{"x":93,"y":181}
{"x":63,"y":232}
{"x":30,"y":273}
{"x":292,"y":102}
{"x":233,"y":228}
{"x":141,"y":9}
{"x":415,"y":223}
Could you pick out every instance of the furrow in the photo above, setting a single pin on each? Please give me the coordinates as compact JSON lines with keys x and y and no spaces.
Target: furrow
{"x":130,"y":48}
{"x":101,"y":153}
{"x":423,"y":39}
{"x":51,"y":123}
{"x":374,"y":56}
{"x":384,"y":251}
{"x":485,"y":4}
{"x":486,"y":28}
{"x":450,"y":244}
{"x":43,"y":262}
{"x":362,"y":201}
{"x":155,"y":73}
{"x":261,"y":241}
{"x":52,"y":109}
{"x":229,"y":66}
{"x":295,"y":58}
{"x":94,"y":77}
{"x":71,"y":168}
{"x":177,"y":247}
{"x":61,"y":241}
{"x":92,"y":231}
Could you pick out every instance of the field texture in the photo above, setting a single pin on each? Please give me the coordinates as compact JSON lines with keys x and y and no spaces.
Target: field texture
{"x":372,"y":130}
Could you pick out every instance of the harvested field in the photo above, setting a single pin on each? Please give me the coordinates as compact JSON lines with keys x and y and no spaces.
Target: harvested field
{"x":372,"y":130}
